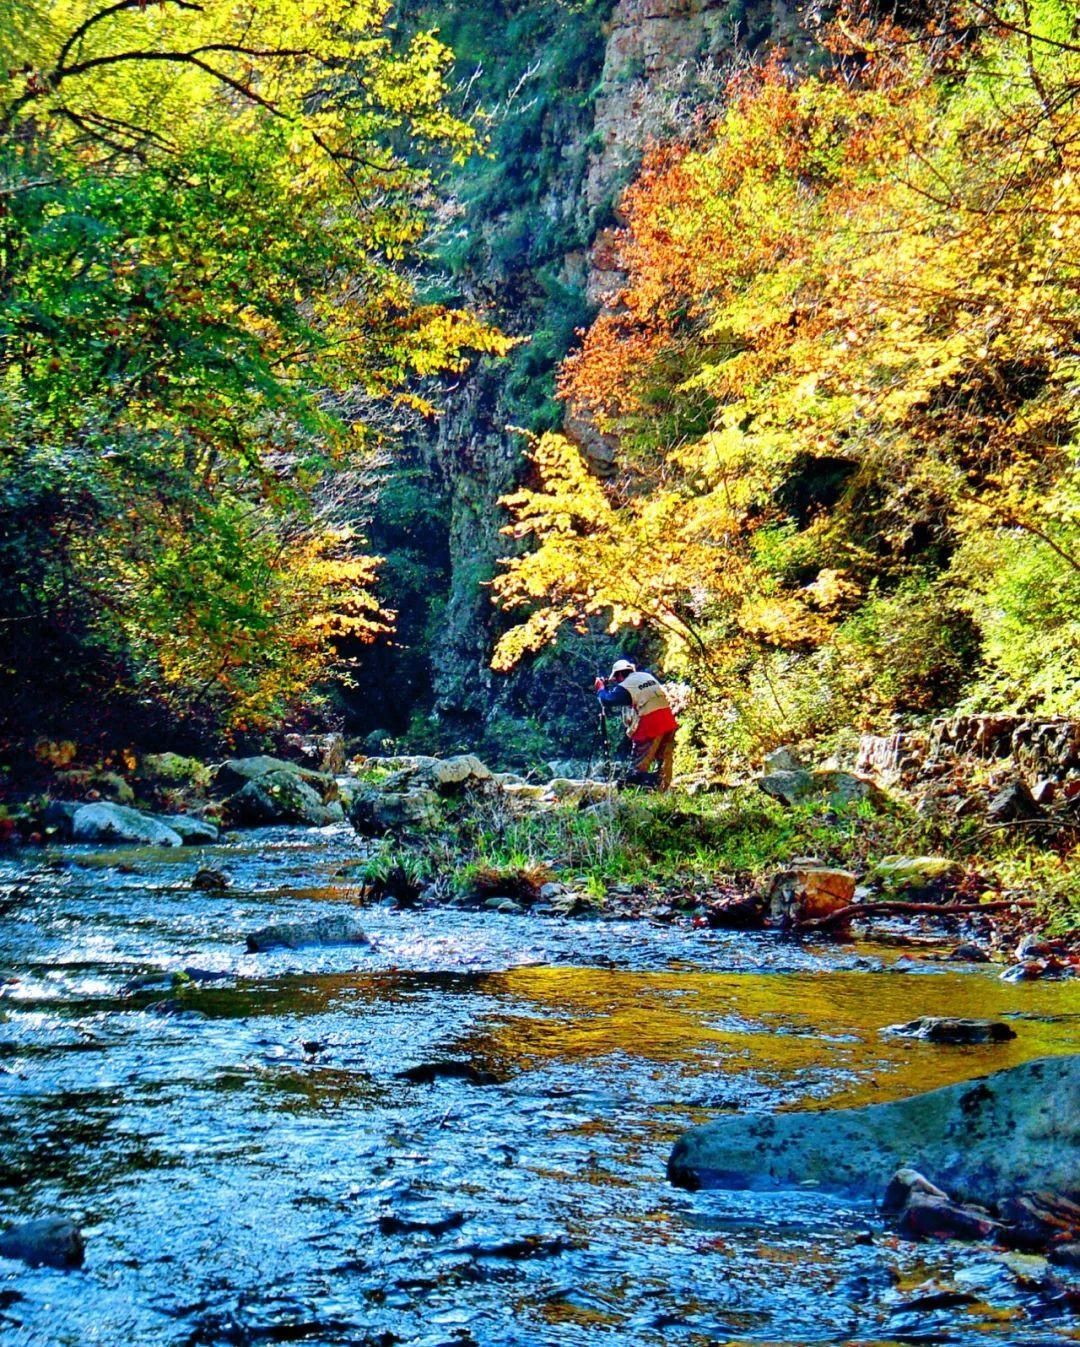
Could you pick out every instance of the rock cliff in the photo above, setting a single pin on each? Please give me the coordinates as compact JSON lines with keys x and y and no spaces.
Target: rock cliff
{"x":541,"y":260}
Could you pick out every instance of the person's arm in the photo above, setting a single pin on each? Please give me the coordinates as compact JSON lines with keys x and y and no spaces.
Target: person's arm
{"x":616,"y":696}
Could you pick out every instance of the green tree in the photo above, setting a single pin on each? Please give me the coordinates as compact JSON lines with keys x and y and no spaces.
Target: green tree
{"x":207,"y":325}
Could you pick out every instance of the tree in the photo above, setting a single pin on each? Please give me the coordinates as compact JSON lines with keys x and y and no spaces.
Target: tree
{"x":210,"y":216}
{"x":842,"y":368}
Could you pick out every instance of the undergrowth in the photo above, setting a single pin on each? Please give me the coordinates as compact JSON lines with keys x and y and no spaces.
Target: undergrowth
{"x":635,"y":838}
{"x":678,"y":842}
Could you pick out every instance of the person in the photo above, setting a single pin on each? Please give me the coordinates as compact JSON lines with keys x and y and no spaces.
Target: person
{"x":649,"y":720}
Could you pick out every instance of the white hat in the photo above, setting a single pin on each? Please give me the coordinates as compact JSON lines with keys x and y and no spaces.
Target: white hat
{"x":622,"y":666}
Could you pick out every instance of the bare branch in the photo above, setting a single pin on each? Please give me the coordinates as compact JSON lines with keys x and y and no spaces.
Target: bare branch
{"x":80,"y":32}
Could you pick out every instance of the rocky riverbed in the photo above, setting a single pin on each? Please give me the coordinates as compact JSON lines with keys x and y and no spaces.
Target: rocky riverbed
{"x":455,"y":1130}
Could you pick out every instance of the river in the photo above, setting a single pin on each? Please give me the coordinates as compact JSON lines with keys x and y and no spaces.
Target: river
{"x":250,"y":1166}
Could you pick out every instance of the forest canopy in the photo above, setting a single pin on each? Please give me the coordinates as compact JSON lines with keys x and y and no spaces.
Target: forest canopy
{"x":842,"y":373}
{"x":211,"y":218}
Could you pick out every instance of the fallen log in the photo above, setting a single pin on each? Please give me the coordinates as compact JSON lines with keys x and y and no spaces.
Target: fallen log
{"x":896,"y":907}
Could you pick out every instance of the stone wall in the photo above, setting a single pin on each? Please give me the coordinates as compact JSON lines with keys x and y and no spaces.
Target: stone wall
{"x":1039,"y":749}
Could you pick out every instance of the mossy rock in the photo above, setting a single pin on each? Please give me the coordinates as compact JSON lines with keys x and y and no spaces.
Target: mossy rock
{"x":172,"y":769}
{"x":917,"y":874}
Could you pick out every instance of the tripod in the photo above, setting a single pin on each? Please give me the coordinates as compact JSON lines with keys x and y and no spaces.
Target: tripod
{"x":601,"y":748}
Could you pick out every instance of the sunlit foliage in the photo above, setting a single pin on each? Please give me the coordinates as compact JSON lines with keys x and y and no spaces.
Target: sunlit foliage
{"x":206,"y":328}
{"x":842,"y":371}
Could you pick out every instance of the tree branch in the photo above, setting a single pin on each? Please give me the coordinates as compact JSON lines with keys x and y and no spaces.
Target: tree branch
{"x":889,"y":907}
{"x":80,"y":32}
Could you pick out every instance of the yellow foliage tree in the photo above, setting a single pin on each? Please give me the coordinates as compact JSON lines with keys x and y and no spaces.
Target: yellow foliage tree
{"x":844,"y":359}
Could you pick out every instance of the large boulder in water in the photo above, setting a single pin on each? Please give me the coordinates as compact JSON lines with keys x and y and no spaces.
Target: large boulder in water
{"x":193,"y":832}
{"x":339,"y":929}
{"x":237,"y":772}
{"x":372,"y":812}
{"x":280,"y":797}
{"x":981,"y":1140}
{"x":117,"y":823}
{"x":51,"y":1241}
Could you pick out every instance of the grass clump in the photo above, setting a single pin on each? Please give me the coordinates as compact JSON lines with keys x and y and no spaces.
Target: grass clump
{"x":639,"y":839}
{"x":681,"y":843}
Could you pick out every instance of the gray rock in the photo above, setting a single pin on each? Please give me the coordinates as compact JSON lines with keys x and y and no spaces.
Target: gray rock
{"x":210,"y":880}
{"x":193,"y":832}
{"x":838,"y":788}
{"x":934,"y":1216}
{"x":782,"y":760}
{"x":969,"y":952}
{"x":448,"y":776}
{"x":399,"y":762}
{"x":503,"y":903}
{"x":901,"y":1186}
{"x":280,"y":797}
{"x":374,"y":811}
{"x":103,"y":822}
{"x":981,"y":1140}
{"x":1013,"y":804}
{"x":943,"y":1029}
{"x":51,"y":1241}
{"x":233,"y":775}
{"x":466,"y":767}
{"x":340,"y":929}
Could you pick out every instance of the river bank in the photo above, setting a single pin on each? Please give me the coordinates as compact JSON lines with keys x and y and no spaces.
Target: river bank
{"x":253,"y":1156}
{"x":808,"y":850}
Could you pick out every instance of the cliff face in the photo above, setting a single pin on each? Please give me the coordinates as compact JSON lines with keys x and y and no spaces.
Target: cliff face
{"x":541,"y":256}
{"x":655,"y":52}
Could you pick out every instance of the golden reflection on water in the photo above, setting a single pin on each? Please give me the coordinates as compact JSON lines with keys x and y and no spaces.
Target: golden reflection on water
{"x":816,"y":1036}
{"x":776,"y":1025}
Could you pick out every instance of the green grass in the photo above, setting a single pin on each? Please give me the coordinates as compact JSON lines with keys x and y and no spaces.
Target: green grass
{"x":639,"y":838}
{"x":676,"y":841}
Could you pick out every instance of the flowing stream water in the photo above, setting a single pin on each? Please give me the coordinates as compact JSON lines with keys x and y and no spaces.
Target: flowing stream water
{"x":250,"y":1165}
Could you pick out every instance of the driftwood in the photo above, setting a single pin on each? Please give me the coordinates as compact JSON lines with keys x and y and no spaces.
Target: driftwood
{"x":894,"y":907}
